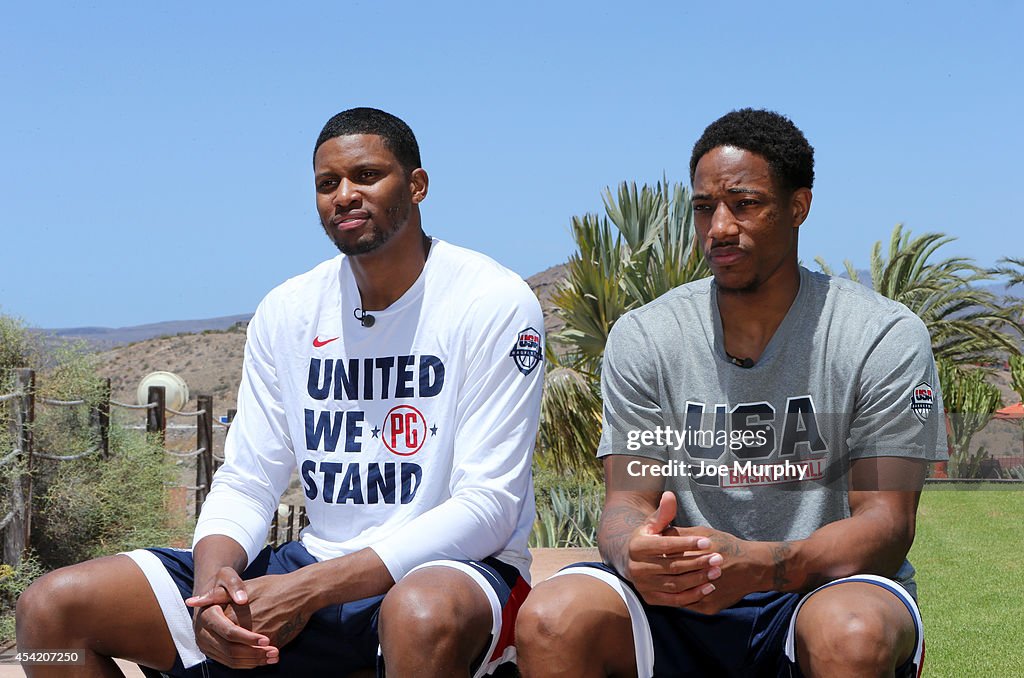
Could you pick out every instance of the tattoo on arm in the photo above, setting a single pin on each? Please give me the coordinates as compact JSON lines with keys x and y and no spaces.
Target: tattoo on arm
{"x":783,"y":578}
{"x":291,"y":628}
{"x":780,"y":552}
{"x":617,"y":525}
{"x":727,"y":545}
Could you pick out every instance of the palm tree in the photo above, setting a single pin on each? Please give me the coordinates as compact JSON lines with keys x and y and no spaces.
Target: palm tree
{"x":643,"y":247}
{"x":968,"y":325}
{"x":1013,"y":269}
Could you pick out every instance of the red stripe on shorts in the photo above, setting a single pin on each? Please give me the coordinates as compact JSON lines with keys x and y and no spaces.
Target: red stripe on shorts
{"x":509,"y":613}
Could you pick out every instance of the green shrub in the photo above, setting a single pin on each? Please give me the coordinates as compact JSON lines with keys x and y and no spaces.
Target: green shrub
{"x":14,"y":580}
{"x":95,"y":507}
{"x":17,"y":348}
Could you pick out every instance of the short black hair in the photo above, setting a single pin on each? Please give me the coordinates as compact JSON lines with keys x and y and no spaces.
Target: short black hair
{"x":771,"y":135}
{"x":397,"y":136}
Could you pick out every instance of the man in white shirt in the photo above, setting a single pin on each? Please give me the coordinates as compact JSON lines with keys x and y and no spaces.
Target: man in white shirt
{"x":402,"y":381}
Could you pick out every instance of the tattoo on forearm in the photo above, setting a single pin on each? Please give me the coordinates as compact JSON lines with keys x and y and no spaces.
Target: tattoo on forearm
{"x":727,"y":545}
{"x":617,"y":525}
{"x":291,"y":628}
{"x":780,"y":552}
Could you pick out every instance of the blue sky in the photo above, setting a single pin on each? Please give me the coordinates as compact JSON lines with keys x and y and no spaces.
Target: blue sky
{"x":157,"y":157}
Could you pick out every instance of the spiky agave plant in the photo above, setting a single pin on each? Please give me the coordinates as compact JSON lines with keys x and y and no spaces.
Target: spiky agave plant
{"x":644,"y":246}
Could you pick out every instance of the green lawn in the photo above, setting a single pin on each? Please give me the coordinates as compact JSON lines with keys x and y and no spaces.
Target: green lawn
{"x":969,"y":555}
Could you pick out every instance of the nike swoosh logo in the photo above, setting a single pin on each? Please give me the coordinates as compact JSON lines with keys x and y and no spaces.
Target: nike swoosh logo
{"x":317,"y":343}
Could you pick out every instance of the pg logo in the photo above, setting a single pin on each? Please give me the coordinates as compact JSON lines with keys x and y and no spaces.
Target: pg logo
{"x":405,"y":429}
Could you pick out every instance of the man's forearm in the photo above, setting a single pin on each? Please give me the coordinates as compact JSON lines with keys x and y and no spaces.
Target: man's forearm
{"x":341,"y":580}
{"x":874,"y":542}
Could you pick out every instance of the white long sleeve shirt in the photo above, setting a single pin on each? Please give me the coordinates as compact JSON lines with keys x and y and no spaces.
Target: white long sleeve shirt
{"x":413,"y":437}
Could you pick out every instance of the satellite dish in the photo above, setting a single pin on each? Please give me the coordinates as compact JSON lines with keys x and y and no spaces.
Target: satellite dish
{"x":174,"y":386}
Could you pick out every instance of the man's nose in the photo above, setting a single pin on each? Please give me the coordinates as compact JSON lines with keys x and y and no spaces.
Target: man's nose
{"x":347,"y":194}
{"x":723,"y":223}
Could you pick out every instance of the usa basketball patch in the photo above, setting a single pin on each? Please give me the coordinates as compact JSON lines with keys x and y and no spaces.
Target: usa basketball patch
{"x":527,"y":352}
{"x":922,"y":402}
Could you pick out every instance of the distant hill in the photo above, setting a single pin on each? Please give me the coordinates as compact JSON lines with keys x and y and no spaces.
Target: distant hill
{"x":102,"y":338}
{"x":543,"y":285}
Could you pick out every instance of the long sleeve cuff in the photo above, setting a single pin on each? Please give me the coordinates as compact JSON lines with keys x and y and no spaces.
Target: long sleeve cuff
{"x":246,"y":526}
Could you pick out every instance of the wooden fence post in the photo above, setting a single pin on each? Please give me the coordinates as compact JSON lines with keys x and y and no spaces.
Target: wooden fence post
{"x":102,"y":414}
{"x":156,"y":417}
{"x":291,"y":522}
{"x":23,"y":412}
{"x":204,"y":441}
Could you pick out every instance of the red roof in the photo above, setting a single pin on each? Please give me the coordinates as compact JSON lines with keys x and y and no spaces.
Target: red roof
{"x":1011,"y":412}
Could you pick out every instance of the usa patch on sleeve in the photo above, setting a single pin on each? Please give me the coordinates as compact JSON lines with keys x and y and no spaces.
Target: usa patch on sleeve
{"x":922,"y":402}
{"x":526,"y":352}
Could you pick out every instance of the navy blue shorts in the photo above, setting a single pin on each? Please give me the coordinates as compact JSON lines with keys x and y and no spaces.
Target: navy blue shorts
{"x":338,"y":639}
{"x":754,"y":638}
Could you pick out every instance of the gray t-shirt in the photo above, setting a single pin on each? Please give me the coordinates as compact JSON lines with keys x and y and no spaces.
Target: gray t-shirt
{"x":763,"y":452}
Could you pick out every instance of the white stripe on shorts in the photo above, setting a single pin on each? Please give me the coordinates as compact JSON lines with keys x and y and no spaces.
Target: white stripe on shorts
{"x":893,"y":587}
{"x":176,"y":613}
{"x":643,"y":641}
{"x":492,"y":597}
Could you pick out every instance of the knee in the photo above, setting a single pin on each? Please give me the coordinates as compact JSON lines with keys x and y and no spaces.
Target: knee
{"x":48,"y":605}
{"x":855,"y":640}
{"x":554,"y":616}
{"x":544,"y":617}
{"x":414,"y":613}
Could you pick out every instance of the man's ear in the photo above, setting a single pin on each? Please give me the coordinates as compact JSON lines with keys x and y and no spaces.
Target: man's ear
{"x":800,"y":203}
{"x":418,"y":182}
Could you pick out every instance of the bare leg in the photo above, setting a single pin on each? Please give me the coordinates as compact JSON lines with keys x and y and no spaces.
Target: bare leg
{"x":853,"y":629}
{"x":575,"y":625}
{"x":435,"y":622}
{"x":103,"y":608}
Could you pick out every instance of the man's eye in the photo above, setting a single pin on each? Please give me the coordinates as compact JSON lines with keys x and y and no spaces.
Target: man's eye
{"x":747,"y":202}
{"x":701,"y":208}
{"x":369,"y":175}
{"x":326,"y":185}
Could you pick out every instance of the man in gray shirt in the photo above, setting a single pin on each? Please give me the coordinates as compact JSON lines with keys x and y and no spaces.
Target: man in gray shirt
{"x":766,"y":435}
